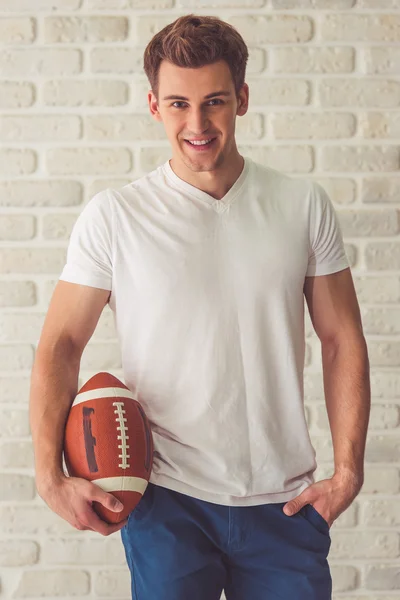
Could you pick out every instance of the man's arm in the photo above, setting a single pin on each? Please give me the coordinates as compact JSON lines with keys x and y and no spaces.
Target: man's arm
{"x":71,"y":319}
{"x":335,"y":315}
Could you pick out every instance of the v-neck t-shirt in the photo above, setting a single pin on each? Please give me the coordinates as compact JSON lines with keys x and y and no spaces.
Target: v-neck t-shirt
{"x":208,"y":302}
{"x":219,"y":205}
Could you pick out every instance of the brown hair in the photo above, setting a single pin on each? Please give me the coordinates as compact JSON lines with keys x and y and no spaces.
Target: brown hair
{"x":194,"y":41}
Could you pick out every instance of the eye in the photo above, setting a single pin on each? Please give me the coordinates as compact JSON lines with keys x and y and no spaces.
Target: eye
{"x":212,"y":100}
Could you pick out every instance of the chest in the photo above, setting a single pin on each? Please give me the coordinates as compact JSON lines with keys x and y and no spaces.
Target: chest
{"x":255,"y":251}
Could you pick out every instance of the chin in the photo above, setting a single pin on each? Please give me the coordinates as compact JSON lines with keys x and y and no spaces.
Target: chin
{"x":198,"y":163}
{"x":202,"y":165}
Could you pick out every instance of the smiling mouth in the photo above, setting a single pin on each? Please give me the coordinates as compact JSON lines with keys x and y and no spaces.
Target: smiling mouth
{"x":201,"y":146}
{"x":197,"y":141}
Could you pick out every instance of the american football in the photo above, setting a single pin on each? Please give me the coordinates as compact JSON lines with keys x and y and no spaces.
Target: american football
{"x":108,"y":441}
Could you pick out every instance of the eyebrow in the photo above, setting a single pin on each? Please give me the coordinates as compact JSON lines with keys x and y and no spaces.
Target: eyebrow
{"x":220,"y":93}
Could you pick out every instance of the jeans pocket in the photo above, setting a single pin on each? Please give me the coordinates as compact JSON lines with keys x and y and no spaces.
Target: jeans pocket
{"x":315,"y":518}
{"x":144,"y":505}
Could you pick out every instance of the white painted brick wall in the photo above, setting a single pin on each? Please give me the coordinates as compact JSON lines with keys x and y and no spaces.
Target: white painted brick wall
{"x":324,"y":104}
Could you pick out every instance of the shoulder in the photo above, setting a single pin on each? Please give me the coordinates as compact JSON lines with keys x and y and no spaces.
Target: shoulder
{"x":136,"y":188}
{"x":285,"y":187}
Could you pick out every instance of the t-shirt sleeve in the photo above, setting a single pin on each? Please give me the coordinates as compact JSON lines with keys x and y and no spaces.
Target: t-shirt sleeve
{"x":89,"y":254}
{"x":327,"y":254}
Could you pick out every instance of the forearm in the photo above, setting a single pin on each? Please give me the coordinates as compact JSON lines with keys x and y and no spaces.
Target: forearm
{"x":348,"y":400}
{"x":54,"y":383}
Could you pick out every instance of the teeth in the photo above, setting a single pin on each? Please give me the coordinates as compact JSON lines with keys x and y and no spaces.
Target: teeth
{"x":200,"y":143}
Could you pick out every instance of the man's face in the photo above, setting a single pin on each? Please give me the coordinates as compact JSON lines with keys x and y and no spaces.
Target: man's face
{"x":188,"y":114}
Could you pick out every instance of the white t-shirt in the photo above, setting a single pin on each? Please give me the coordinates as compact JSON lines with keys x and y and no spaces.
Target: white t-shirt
{"x":209,"y":308}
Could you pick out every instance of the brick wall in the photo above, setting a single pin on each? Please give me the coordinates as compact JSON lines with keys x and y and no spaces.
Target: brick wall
{"x":324,"y":104}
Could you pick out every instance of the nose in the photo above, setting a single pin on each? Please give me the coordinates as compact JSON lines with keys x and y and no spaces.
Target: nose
{"x":197,"y":121}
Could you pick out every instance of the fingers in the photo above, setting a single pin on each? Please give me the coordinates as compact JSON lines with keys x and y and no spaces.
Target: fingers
{"x":117,"y":526}
{"x":94,"y":522}
{"x":91,"y":520}
{"x":107,"y":500}
{"x":97,"y":524}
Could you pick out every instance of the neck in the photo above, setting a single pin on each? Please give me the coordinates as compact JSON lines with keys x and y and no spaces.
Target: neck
{"x":215,"y":183}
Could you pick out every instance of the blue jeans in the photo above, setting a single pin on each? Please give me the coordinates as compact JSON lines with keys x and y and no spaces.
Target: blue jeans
{"x":181,"y":548}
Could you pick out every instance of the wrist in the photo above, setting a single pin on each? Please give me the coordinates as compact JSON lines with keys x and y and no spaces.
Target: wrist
{"x":48,"y":480}
{"x":349,"y":476}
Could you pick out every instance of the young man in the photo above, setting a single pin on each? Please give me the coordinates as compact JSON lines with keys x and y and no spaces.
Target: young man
{"x":206,"y":262}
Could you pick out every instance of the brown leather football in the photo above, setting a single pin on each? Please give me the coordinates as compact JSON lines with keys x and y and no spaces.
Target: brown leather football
{"x":108,"y":441}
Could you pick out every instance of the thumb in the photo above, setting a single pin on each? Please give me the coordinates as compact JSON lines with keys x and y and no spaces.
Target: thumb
{"x":107,"y":500}
{"x":293,"y":506}
{"x":113,"y":503}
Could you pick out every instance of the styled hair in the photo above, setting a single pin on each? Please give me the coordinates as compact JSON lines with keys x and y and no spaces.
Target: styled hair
{"x":194,"y":41}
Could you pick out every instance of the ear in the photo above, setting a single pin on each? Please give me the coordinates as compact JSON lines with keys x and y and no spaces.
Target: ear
{"x":243,"y":100}
{"x":153,"y":106}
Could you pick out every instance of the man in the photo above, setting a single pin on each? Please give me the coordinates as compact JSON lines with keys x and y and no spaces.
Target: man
{"x":205,"y":262}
